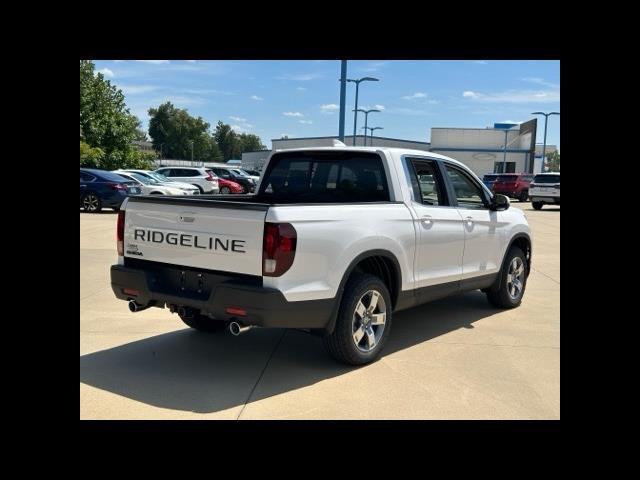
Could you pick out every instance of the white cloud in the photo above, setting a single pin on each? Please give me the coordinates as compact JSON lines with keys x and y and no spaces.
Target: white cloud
{"x":190,"y":61}
{"x":106,"y":72}
{"x":329,"y":108}
{"x":301,"y":77}
{"x":302,"y":89}
{"x":237,"y":128}
{"x":137,"y":89}
{"x":155,"y":62}
{"x":238,"y":119}
{"x":515,"y":96}
{"x":256,"y":97}
{"x":379,"y":107}
{"x":433,"y":102}
{"x":512,"y":121}
{"x":415,"y":95}
{"x":480,"y":62}
{"x":540,"y":81}
{"x":292,"y":114}
{"x":307,"y":122}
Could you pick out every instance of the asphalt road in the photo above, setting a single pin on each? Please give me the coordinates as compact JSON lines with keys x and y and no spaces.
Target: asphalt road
{"x":456,"y":358}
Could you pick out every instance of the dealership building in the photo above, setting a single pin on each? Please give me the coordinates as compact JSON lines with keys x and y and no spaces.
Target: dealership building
{"x":481,"y":149}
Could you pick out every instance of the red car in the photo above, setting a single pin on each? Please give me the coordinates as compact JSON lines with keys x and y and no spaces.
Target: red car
{"x":227,"y":186}
{"x":514,"y":185}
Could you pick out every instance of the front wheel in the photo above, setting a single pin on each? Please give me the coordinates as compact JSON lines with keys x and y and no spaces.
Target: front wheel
{"x":537,"y":205}
{"x":225,"y":191}
{"x":202,"y":323}
{"x":199,"y":188}
{"x":363,"y":323}
{"x":513,"y":280}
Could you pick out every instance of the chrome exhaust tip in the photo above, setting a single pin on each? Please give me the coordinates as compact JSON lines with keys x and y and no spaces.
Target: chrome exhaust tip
{"x":136,"y":307}
{"x":236,"y":329}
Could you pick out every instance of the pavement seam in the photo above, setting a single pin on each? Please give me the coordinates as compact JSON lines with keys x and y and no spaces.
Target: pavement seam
{"x":542,"y":273}
{"x":262,"y":373}
{"x":94,"y":293}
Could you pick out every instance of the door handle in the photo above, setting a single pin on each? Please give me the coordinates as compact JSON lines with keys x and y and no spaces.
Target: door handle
{"x":426,"y":219}
{"x":468,"y":219}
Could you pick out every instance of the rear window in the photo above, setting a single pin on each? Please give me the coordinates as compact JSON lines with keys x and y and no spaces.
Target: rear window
{"x":490,"y":178}
{"x":111,"y":177}
{"x":547,"y":179}
{"x":325,"y":177}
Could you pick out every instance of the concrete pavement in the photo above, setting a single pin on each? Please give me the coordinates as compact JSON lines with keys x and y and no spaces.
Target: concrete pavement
{"x":456,"y":358}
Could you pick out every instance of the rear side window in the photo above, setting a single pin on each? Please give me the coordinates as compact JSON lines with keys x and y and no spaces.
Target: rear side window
{"x":325,"y":177}
{"x":85,"y":177}
{"x":547,"y":179}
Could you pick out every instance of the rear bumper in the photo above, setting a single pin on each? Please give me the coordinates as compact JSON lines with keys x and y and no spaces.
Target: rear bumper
{"x":265,"y":307}
{"x":544,"y":199}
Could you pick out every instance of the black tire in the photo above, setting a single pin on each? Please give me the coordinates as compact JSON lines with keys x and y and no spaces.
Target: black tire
{"x":225,"y":191}
{"x":91,"y":203}
{"x":524,"y":196}
{"x":502,"y":298}
{"x":537,"y":205}
{"x":202,"y":323}
{"x":199,"y":188}
{"x":341,"y":344}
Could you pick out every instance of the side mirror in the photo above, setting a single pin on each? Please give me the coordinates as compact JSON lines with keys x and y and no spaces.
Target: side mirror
{"x":499,"y":202}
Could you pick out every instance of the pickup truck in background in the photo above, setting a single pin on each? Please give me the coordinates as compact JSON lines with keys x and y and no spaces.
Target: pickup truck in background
{"x":334,"y":241}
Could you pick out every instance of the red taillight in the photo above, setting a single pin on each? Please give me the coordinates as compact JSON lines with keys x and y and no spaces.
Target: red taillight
{"x":240,"y":312}
{"x":130,"y":291}
{"x":278,"y":248}
{"x":120,"y":233}
{"x":210,"y":178}
{"x":117,"y":186}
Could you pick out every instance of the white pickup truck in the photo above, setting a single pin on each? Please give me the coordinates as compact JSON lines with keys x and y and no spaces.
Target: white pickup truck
{"x":334,"y":241}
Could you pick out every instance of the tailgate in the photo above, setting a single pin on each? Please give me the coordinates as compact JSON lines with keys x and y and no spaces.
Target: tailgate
{"x":202,"y":234}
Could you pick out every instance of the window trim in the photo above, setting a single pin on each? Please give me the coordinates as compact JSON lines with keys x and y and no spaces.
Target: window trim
{"x":411,"y":169}
{"x":486,"y":199}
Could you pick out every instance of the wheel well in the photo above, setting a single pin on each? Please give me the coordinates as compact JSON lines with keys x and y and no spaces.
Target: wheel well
{"x":383,"y":268}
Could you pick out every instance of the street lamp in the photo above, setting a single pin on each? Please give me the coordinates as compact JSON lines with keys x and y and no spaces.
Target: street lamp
{"x":192,"y":153}
{"x":366,"y":117}
{"x":544,"y":145}
{"x":371,"y":129}
{"x":355,"y":115}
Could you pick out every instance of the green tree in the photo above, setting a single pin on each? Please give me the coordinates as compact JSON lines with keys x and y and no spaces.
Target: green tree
{"x":174,"y":130}
{"x":250,"y":142}
{"x":227,"y":140}
{"x":90,"y":157}
{"x":553,"y":161}
{"x":105,"y":121}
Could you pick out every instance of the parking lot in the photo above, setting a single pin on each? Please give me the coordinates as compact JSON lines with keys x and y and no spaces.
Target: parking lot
{"x":456,"y":358}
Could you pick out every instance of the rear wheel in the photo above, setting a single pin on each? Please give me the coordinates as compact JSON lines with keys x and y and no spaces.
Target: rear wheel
{"x":524,"y":196}
{"x":537,"y":205}
{"x":91,"y":203}
{"x":225,"y":191}
{"x":513,"y":280}
{"x":202,"y":323}
{"x":199,"y":188}
{"x":363,"y":323}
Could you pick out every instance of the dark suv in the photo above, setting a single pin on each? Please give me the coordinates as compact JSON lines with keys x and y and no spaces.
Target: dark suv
{"x":514,"y":185}
{"x":246,"y":182}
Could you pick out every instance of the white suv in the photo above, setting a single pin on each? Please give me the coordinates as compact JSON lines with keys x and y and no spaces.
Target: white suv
{"x":205,"y":181}
{"x":545,"y":188}
{"x":149,"y":186}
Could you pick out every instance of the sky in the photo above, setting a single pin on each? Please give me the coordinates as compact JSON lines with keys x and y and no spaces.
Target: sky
{"x":272,"y":98}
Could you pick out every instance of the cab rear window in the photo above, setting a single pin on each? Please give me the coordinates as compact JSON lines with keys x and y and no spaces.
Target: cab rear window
{"x":325,"y":177}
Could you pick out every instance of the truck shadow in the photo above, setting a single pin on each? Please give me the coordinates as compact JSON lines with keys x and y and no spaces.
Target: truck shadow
{"x":189,"y":371}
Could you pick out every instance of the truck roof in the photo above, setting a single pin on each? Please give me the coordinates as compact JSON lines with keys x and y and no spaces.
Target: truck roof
{"x":396,"y":150}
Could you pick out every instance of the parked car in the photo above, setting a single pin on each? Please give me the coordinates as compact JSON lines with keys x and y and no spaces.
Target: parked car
{"x":197,"y":176}
{"x":227,"y":186}
{"x":248,"y":184}
{"x":149,"y":186}
{"x":514,"y":185}
{"x":100,"y":188}
{"x":191,"y":189}
{"x":489,"y":179}
{"x":253,"y":173}
{"x":545,"y":189}
{"x":245,"y":173}
{"x":335,"y":240}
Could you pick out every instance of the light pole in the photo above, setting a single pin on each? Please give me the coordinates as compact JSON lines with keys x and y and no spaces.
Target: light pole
{"x":343,"y":96}
{"x":366,"y":117}
{"x":355,"y":114}
{"x":544,"y":145}
{"x":192,"y":153}
{"x":371,"y":136}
